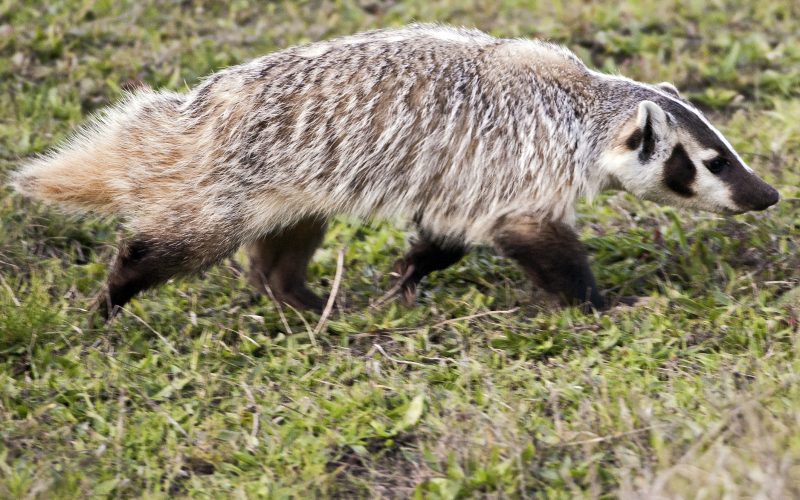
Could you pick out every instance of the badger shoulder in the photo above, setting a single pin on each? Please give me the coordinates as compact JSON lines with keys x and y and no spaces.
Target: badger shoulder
{"x":536,"y":57}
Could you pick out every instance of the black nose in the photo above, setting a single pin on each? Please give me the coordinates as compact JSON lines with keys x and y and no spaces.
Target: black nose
{"x":766,"y":198}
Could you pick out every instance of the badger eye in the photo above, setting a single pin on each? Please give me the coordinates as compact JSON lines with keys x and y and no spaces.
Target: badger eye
{"x":717,"y":165}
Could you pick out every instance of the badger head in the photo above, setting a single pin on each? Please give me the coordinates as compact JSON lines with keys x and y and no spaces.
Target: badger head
{"x":668,"y":152}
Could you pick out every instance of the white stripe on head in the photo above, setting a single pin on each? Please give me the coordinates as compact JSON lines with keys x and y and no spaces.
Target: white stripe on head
{"x":702,"y":118}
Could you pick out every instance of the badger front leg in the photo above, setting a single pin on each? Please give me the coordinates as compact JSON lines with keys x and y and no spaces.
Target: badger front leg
{"x":425,"y":256}
{"x":279,"y":261}
{"x":553,"y":258}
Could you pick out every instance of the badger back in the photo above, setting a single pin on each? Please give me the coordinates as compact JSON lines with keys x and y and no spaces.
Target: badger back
{"x":448,"y":125}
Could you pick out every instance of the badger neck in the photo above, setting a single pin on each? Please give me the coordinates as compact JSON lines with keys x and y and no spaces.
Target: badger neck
{"x":611,"y":101}
{"x":571,"y":121}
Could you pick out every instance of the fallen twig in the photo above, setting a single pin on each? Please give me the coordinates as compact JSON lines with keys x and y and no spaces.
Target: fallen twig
{"x":337,"y":280}
{"x":277,"y":304}
{"x":377,"y":347}
{"x":474,"y":316}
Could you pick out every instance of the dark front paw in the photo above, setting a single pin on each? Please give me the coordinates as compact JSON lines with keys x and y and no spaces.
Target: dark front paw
{"x":101,"y":311}
{"x":403,"y":283}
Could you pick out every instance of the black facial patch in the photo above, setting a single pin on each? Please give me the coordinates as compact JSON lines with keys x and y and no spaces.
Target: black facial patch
{"x":679,"y":172}
{"x":633,"y":140}
{"x":648,"y":141}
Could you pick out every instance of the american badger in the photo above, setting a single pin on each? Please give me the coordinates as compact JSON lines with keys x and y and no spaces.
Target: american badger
{"x":477,"y":140}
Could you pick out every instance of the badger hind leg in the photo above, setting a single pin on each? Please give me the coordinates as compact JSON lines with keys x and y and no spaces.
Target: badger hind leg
{"x":553,"y":258}
{"x":279,"y":262}
{"x":427,"y":254}
{"x":145,"y":261}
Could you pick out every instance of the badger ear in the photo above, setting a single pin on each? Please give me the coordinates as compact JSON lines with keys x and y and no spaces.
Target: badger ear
{"x":669,"y":88}
{"x":651,"y":125}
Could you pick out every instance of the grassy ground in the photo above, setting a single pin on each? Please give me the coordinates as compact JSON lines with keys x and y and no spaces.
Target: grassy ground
{"x":199,"y":388}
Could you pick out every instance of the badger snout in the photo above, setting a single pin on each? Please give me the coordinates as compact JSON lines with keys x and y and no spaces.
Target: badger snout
{"x":756,"y":195}
{"x":769,"y":198}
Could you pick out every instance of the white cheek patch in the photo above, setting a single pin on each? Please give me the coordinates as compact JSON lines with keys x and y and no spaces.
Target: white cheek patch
{"x":640,"y":180}
{"x":712,"y":193}
{"x":707,"y":154}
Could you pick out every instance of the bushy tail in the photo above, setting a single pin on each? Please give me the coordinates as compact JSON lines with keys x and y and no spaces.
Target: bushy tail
{"x":94,"y":170}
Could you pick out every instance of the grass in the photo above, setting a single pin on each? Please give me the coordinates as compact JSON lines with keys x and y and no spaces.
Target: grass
{"x":201,"y":389}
